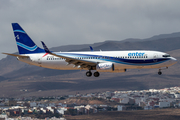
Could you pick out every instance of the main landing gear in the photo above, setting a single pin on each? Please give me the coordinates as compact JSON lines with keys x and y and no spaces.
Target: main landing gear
{"x":159,"y":73}
{"x":89,"y":74}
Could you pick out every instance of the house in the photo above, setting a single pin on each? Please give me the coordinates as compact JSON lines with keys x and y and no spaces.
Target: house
{"x":164,"y":104}
{"x":121,"y":108}
{"x":3,"y":115}
{"x":115,"y":99}
{"x":142,"y":104}
{"x":151,"y":103}
{"x":124,"y":100}
{"x":80,"y":109}
{"x":43,"y":110}
{"x":137,"y":100}
{"x":61,"y":105}
{"x":177,"y":96}
{"x":61,"y":110}
{"x":70,"y":111}
{"x":51,"y":109}
{"x":51,"y":104}
{"x":70,"y":96}
{"x":148,"y":107}
{"x":33,"y":104}
{"x":41,"y":105}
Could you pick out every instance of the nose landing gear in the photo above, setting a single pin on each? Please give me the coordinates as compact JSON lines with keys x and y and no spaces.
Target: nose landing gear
{"x":160,"y":73}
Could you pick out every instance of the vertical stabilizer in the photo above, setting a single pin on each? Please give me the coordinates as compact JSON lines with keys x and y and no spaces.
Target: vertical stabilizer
{"x":24,"y":42}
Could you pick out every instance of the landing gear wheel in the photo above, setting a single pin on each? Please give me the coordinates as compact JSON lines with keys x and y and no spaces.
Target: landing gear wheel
{"x":96,"y":74}
{"x":159,"y":73}
{"x":88,"y":73}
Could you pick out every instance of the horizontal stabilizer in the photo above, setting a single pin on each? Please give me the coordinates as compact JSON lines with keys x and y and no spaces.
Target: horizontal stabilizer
{"x":22,"y":56}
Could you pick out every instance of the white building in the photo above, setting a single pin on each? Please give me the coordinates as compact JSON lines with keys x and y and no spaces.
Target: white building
{"x":177,"y":95}
{"x":164,"y":104}
{"x":50,"y":109}
{"x":43,"y":110}
{"x":137,"y":100}
{"x":33,"y":104}
{"x":108,"y":94}
{"x":51,"y":105}
{"x":148,"y":107}
{"x":62,"y":105}
{"x":124,"y":100}
{"x":41,"y":105}
{"x":61,"y":110}
{"x":3,"y":115}
{"x":120,"y":108}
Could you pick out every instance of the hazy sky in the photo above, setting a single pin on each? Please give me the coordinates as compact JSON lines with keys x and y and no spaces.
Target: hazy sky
{"x":63,"y":22}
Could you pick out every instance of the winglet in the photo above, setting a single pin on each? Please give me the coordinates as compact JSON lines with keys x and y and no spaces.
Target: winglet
{"x":45,"y":47}
{"x":91,"y":48}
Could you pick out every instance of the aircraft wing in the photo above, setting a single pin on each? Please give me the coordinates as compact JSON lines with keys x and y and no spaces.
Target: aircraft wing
{"x":81,"y":63}
{"x":20,"y":56}
{"x":77,"y":62}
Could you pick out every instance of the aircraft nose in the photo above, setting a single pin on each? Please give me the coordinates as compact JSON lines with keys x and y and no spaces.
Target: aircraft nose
{"x":173,"y":60}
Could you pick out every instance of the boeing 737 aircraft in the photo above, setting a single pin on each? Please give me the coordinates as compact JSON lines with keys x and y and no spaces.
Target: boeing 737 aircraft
{"x":100,"y":61}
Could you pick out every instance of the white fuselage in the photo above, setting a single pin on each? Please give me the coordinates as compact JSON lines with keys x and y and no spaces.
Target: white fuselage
{"x":121,"y":59}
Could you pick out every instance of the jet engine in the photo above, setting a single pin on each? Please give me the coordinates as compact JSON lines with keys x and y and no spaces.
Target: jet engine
{"x":108,"y":67}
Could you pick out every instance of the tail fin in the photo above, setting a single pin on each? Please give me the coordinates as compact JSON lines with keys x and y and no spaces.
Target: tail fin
{"x":24,"y":43}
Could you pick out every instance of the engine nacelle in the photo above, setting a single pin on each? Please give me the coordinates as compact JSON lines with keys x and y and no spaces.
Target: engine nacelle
{"x":108,"y":67}
{"x":105,"y":67}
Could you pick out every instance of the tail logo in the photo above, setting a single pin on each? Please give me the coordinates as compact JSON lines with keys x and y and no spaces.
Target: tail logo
{"x":27,"y":47}
{"x":17,"y":37}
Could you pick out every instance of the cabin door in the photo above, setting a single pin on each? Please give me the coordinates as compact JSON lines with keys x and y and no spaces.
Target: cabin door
{"x":155,"y":57}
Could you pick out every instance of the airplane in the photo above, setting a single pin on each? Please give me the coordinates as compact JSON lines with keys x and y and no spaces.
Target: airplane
{"x":100,"y":61}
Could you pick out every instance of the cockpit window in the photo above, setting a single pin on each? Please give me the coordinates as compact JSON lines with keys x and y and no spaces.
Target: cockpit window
{"x":166,"y":55}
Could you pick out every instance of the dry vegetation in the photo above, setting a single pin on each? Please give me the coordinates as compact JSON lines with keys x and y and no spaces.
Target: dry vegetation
{"x":90,"y":101}
{"x":160,"y":114}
